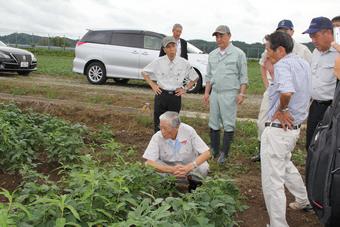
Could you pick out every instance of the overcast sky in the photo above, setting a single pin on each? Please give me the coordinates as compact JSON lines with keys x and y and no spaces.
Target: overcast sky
{"x":248,"y":20}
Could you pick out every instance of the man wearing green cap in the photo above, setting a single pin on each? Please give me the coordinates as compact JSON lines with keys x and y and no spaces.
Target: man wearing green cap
{"x":227,"y":81}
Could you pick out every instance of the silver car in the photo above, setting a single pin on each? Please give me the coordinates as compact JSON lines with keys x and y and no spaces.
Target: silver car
{"x":122,"y":54}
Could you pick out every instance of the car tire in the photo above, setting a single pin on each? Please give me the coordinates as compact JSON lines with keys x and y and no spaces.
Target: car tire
{"x":121,"y":80}
{"x":198,"y":86}
{"x":24,"y":73}
{"x":96,"y":73}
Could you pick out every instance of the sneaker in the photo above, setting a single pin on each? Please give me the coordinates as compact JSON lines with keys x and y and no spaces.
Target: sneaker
{"x":256,"y":158}
{"x":299,"y":206}
{"x":221,"y":158}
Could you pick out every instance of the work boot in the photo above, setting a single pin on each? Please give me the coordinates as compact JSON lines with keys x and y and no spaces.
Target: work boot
{"x":257,"y":157}
{"x":215,"y":142}
{"x":227,"y":139}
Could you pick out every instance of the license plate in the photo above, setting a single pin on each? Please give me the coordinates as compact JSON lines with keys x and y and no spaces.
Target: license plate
{"x":24,"y":64}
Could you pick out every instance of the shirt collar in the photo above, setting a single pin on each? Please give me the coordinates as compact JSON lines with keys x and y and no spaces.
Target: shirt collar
{"x":173,"y":61}
{"x":331,"y":49}
{"x":226,"y":50}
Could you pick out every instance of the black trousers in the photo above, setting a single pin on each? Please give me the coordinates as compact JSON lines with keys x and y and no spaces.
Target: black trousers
{"x":166,"y":101}
{"x":316,"y":112}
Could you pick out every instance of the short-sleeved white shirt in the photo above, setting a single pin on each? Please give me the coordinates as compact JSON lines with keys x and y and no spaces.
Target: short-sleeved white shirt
{"x":191,"y":146}
{"x":323,"y":79}
{"x":170,"y":75}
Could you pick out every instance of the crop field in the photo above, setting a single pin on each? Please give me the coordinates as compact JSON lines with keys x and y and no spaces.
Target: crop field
{"x":71,"y":155}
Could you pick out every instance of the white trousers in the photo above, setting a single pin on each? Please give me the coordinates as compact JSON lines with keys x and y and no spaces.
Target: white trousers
{"x":277,"y":171}
{"x":262,"y":117}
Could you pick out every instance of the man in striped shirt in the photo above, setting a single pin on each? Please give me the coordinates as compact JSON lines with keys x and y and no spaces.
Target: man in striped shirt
{"x":288,"y":108}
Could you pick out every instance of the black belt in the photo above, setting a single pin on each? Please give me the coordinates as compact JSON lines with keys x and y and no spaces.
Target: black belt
{"x":278,"y":125}
{"x":323,"y":102}
{"x":169,"y":92}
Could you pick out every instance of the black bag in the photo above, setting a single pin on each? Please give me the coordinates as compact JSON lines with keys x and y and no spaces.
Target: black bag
{"x":323,"y":166}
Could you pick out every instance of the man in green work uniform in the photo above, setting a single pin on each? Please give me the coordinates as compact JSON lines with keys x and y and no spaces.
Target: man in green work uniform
{"x":227,"y":81}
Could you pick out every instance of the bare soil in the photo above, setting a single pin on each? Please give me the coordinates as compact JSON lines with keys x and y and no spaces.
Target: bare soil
{"x":73,"y":104}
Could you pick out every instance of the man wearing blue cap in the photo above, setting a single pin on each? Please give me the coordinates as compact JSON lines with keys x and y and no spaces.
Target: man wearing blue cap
{"x":323,"y":81}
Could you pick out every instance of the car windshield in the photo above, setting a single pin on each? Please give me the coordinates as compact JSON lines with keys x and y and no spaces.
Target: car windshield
{"x":2,"y":44}
{"x":194,"y":50}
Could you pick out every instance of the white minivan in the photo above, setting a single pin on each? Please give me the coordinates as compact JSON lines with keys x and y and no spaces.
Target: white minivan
{"x":122,"y":54}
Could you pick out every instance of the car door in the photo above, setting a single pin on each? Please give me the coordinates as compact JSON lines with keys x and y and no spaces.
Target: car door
{"x":152,"y":46}
{"x":125,"y":48}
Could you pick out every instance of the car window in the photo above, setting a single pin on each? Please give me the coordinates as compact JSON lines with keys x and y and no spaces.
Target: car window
{"x":2,"y":44}
{"x":102,"y":37}
{"x":152,"y":42}
{"x":127,"y":39}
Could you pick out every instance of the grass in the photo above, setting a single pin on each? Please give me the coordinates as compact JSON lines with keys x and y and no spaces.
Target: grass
{"x":59,"y":63}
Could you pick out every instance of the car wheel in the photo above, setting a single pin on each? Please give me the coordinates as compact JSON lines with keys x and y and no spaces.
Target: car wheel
{"x":121,"y":80}
{"x":96,"y":73}
{"x":197,"y":86}
{"x":24,"y":73}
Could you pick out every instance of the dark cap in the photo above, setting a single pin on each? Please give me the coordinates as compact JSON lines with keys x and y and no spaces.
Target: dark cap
{"x":168,"y":39}
{"x":222,"y":29}
{"x":318,"y":24}
{"x":285,"y":24}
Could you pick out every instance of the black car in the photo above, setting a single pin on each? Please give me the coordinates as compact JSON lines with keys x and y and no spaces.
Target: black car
{"x":16,"y":60}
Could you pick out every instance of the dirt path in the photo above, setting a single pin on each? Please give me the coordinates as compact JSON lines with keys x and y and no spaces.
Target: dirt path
{"x":135,"y":94}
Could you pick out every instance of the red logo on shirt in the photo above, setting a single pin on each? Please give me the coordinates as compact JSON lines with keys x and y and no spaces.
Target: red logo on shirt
{"x":184,"y":142}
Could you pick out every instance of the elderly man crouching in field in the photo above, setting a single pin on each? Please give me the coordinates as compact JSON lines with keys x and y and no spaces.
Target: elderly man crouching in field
{"x":177,"y":149}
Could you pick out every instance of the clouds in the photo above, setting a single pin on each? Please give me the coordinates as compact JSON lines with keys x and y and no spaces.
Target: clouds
{"x":249,"y":20}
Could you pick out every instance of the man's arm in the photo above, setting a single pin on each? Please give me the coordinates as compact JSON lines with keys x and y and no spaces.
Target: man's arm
{"x":152,"y":84}
{"x":183,"y":170}
{"x":242,"y":95}
{"x":264,"y":76}
{"x":282,"y":114}
{"x":207,"y":93}
{"x":243,"y":78}
{"x":163,"y":168}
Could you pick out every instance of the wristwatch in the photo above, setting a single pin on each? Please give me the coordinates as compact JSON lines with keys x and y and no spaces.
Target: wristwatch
{"x":284,"y":110}
{"x":194,"y":163}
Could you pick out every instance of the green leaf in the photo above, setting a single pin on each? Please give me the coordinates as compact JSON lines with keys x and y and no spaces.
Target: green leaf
{"x":60,"y":222}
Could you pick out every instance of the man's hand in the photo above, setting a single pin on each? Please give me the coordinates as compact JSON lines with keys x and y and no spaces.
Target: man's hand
{"x":156,"y":89}
{"x":180,"y":91}
{"x":240,"y":98}
{"x":206,"y":99}
{"x":285,"y":119}
{"x":183,"y":170}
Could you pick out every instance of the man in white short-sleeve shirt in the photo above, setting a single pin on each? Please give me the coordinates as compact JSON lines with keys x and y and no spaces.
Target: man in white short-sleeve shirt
{"x":177,"y":149}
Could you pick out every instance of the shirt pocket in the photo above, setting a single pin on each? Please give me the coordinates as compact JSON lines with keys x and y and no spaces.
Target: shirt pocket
{"x":327,"y":72}
{"x":186,"y":153}
{"x":230,"y":67}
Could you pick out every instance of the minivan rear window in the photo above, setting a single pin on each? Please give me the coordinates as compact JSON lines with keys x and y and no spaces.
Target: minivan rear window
{"x":102,"y":37}
{"x":127,"y":39}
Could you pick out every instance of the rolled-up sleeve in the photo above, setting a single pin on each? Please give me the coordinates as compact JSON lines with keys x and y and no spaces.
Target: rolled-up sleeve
{"x":152,"y":151}
{"x":284,"y":78}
